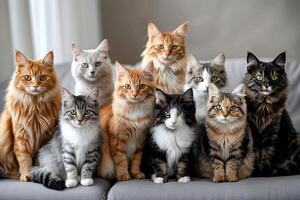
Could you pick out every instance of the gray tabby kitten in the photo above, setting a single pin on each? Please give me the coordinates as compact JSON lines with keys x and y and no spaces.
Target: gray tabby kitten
{"x":93,"y":68}
{"x":74,"y":148}
{"x":199,"y":76}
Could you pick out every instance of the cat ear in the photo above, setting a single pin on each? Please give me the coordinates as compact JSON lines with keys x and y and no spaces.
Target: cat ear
{"x":240,"y":90}
{"x":280,"y":59}
{"x":103,"y":47}
{"x":191,"y":63}
{"x":153,"y":30}
{"x":160,"y":98}
{"x":20,"y":58}
{"x":219,"y":60}
{"x":148,"y":69}
{"x":213,"y":91}
{"x":120,"y":70}
{"x":94,"y":95}
{"x":76,"y":50}
{"x":67,"y":97}
{"x":181,"y":30}
{"x":252,"y":61}
{"x":49,"y":59}
{"x":188,"y":95}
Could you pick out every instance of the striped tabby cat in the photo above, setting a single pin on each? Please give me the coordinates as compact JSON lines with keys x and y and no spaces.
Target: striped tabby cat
{"x":74,"y":148}
{"x":224,"y":152}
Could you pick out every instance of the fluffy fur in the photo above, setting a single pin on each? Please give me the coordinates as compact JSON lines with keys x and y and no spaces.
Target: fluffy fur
{"x":30,"y":113}
{"x":276,"y":143}
{"x":125,"y":123}
{"x":92,"y":68}
{"x":225,"y":152}
{"x":167,"y":152}
{"x":199,"y":76}
{"x":74,"y":148}
{"x":167,"y":52}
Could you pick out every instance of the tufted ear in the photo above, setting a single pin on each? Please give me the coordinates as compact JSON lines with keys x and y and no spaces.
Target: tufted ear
{"x":94,"y":96}
{"x":153,"y":30}
{"x":240,"y":90}
{"x":213,"y":91}
{"x":148,"y":69}
{"x":181,"y":30}
{"x":76,"y":50}
{"x":219,"y":60}
{"x":188,"y":95}
{"x":67,"y":97}
{"x":191,"y":63}
{"x":280,"y":59}
{"x":120,"y":69}
{"x":160,"y":98}
{"x":103,"y":47}
{"x":49,"y":59}
{"x":21,"y":58}
{"x":252,"y":62}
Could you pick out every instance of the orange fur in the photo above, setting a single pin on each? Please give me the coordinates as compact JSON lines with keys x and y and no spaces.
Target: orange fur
{"x":167,"y":52}
{"x":28,"y":118}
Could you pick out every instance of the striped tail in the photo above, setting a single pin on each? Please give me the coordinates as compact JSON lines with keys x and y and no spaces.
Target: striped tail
{"x":3,"y":171}
{"x":43,"y":176}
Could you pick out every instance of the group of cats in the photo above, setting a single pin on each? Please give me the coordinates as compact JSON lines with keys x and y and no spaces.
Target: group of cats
{"x":166,"y":118}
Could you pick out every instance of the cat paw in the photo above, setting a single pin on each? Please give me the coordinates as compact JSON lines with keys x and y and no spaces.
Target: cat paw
{"x":218,"y":179}
{"x":184,"y":179}
{"x":231,"y":178}
{"x":87,"y":181}
{"x":158,"y":180}
{"x":123,"y":176}
{"x":71,"y":183}
{"x":139,"y":175}
{"x":25,"y":177}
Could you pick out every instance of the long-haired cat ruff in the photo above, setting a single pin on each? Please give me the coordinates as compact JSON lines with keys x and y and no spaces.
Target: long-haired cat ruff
{"x":167,"y":52}
{"x":125,"y":122}
{"x":224,"y":150}
{"x":74,"y":149}
{"x":30,"y":113}
{"x":168,"y":148}
{"x":199,"y":76}
{"x":92,"y":68}
{"x":276,"y":142}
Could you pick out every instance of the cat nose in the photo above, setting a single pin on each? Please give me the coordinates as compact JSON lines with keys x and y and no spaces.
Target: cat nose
{"x":92,"y":72}
{"x":225,"y":115}
{"x":35,"y":86}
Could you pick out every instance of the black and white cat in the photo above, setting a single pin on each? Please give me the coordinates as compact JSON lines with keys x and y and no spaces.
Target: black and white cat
{"x":168,"y":146}
{"x":72,"y":154}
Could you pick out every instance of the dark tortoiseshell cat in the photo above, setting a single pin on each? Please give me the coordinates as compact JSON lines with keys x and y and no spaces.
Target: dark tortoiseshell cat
{"x":276,"y":143}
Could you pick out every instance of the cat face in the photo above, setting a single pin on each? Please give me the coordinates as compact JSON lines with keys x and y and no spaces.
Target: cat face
{"x":134,"y":85}
{"x":173,"y":111}
{"x":266,"y":78}
{"x":166,"y":47}
{"x":91,"y":65}
{"x":34,"y":77}
{"x":200,"y":75}
{"x":226,"y":107}
{"x":80,"y":110}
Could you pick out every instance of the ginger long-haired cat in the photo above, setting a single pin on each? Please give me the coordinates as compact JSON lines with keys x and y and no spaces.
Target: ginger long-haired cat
{"x":30,"y":113}
{"x":167,"y":52}
{"x":125,"y":123}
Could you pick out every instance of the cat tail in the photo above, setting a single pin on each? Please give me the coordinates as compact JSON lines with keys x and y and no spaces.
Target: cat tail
{"x":3,"y":171}
{"x":45,"y":177}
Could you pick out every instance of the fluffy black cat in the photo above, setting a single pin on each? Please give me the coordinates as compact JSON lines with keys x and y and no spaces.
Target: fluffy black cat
{"x":276,"y":142}
{"x":168,"y":147}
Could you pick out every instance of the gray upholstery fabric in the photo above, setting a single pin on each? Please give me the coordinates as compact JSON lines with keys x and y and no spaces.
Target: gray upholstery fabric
{"x":286,"y":188}
{"x":16,"y":190}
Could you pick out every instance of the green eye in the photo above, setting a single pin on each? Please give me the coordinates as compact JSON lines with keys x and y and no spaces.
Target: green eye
{"x":98,"y":64}
{"x":199,"y":79}
{"x":233,"y":108}
{"x":274,"y":77}
{"x":73,"y":112}
{"x":214,"y":78}
{"x":27,"y":78}
{"x":178,"y":113}
{"x":160,"y":46}
{"x":84,"y":65}
{"x":259,"y":77}
{"x":174,"y":46}
{"x":167,"y":114}
{"x":218,"y":107}
{"x":87,"y":112}
{"x":141,"y":86}
{"x":127,"y":87}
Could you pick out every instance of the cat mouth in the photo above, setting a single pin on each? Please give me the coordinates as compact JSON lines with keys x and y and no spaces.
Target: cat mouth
{"x":265,"y":92}
{"x":35,"y":91}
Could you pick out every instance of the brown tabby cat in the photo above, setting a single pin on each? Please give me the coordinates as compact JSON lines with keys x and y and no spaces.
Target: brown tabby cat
{"x":30,"y":113}
{"x":167,"y":52}
{"x":125,"y":122}
{"x":225,"y":152}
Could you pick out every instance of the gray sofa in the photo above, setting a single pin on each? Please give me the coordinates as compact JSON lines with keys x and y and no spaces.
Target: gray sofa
{"x":287,"y":187}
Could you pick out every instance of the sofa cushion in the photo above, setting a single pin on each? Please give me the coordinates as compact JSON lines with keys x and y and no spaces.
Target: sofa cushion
{"x":253,"y":188}
{"x":16,"y":190}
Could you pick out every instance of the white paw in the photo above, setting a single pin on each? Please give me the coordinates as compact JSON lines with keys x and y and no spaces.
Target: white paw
{"x":158,"y":180}
{"x":87,"y":181}
{"x":184,"y":179}
{"x":71,"y":183}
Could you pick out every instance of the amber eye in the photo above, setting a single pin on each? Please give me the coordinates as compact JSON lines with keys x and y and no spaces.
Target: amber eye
{"x":87,"y":112}
{"x":274,"y":77}
{"x":141,"y":86}
{"x":259,"y":77}
{"x":84,"y":65}
{"x":160,"y":46}
{"x":43,"y":78}
{"x":167,"y":114}
{"x":218,"y":107}
{"x":233,"y":108}
{"x":214,"y":78}
{"x":98,"y":64}
{"x":178,"y":113}
{"x":73,"y":112}
{"x":199,"y":79}
{"x":127,"y":86}
{"x":27,"y":78}
{"x":174,"y":46}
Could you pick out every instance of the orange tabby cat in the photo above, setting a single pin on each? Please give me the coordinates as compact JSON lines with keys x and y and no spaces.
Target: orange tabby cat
{"x":167,"y":52}
{"x":30,"y":113}
{"x":125,"y":121}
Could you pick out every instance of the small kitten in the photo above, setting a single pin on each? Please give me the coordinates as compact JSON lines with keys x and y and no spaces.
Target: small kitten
{"x":74,"y":148}
{"x":167,"y":52}
{"x":168,"y":148}
{"x":276,"y":142}
{"x":225,"y":149}
{"x":93,"y":69}
{"x":199,"y":76}
{"x":30,"y":114}
{"x":125,"y":122}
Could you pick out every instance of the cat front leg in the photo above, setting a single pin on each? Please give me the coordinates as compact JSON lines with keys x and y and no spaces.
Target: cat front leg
{"x":160,"y":171}
{"x":265,"y":167}
{"x":182,"y":169}
{"x":231,"y":169}
{"x":135,"y":171}
{"x":69,"y":161}
{"x":89,"y":167}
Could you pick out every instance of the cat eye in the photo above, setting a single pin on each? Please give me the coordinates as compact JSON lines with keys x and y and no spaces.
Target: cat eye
{"x":73,"y":112}
{"x":160,"y":46}
{"x":84,"y":65}
{"x":43,"y":78}
{"x":178,"y":114}
{"x":98,"y":64}
{"x":27,"y":78}
{"x":218,"y":107}
{"x":199,"y":79}
{"x":214,"y":78}
{"x":233,"y":108}
{"x":167,"y":114}
{"x":127,"y":87}
{"x":259,"y":77}
{"x":87,"y":112}
{"x":274,"y":77}
{"x":141,"y":86}
{"x":174,"y":46}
